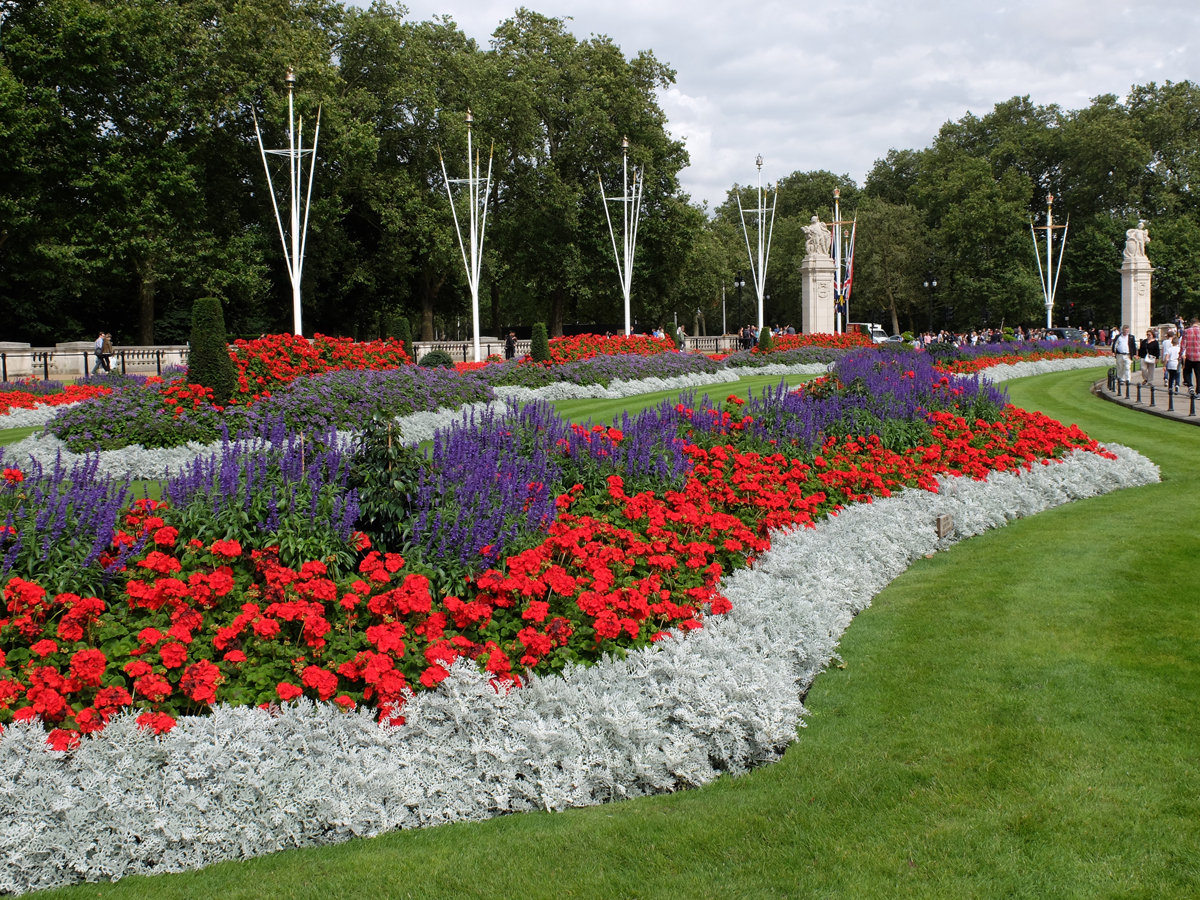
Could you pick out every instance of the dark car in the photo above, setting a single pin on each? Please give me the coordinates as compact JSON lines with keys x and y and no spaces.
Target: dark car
{"x":1069,"y":334}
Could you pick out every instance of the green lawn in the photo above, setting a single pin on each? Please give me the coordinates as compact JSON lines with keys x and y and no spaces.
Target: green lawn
{"x":607,"y":410}
{"x":1016,"y":718}
{"x":12,"y":435}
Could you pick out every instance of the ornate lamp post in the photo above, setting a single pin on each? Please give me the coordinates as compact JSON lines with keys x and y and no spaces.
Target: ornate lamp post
{"x":295,"y":239}
{"x":1049,"y":275}
{"x":631,"y":206}
{"x":472,"y":248}
{"x":739,"y":282}
{"x":931,"y":286}
{"x":759,"y":272}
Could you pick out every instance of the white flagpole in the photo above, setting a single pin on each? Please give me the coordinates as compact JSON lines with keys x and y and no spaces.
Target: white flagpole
{"x":478,"y":190}
{"x":631,"y":205}
{"x":295,"y":243}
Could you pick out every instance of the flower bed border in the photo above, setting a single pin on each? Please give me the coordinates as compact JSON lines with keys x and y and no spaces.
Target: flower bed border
{"x":244,"y":782}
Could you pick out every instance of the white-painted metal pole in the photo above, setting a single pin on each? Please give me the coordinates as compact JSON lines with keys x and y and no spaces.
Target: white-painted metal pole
{"x":631,"y":205}
{"x":478,"y":189}
{"x":837,"y":262}
{"x":295,"y":238}
{"x":759,"y":272}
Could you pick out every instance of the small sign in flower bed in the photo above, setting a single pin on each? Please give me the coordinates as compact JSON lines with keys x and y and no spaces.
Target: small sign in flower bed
{"x":521,"y":542}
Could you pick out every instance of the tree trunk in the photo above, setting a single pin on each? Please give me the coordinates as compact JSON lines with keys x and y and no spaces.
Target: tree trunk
{"x":558,"y":300}
{"x":429,"y":291}
{"x":147,"y":286}
{"x":895,"y":316}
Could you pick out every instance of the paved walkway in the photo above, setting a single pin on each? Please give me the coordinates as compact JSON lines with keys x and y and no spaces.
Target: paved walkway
{"x":1185,"y":406}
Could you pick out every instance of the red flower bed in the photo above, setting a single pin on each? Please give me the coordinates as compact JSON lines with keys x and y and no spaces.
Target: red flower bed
{"x":979,"y":363}
{"x":585,"y":346}
{"x":844,"y":341}
{"x":197,"y":624}
{"x":71,"y":393}
{"x":275,"y":360}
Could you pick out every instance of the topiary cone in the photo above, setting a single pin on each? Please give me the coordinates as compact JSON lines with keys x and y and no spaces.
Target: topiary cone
{"x":209,"y":362}
{"x":539,"y":348}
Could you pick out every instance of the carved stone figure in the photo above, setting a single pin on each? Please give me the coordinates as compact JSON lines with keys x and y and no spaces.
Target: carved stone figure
{"x":1136,"y":240}
{"x":817,"y":238}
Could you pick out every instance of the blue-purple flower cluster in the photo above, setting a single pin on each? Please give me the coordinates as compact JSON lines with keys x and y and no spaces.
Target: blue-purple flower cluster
{"x":58,"y":526}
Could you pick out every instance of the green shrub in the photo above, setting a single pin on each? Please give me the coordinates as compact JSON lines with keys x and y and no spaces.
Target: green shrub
{"x":908,"y":337}
{"x":1008,"y":334}
{"x":540,"y":349}
{"x":404,"y":334}
{"x":209,"y":362}
{"x":435,"y":359}
{"x":764,"y":340}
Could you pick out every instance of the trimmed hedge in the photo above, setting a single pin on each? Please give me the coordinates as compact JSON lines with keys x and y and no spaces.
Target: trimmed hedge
{"x":539,"y":350}
{"x":209,"y":362}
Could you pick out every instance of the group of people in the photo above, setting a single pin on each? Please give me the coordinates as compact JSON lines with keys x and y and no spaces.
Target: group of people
{"x":749,"y":334}
{"x":103,"y":353}
{"x":1178,"y":352}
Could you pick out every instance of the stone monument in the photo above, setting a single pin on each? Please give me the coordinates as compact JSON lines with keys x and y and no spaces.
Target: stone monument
{"x":816,"y":273}
{"x":1135,"y":281}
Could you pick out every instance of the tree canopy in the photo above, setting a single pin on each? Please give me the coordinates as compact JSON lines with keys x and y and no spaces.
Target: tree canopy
{"x":131,"y":183}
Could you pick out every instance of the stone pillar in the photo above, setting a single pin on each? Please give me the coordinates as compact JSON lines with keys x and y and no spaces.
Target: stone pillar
{"x":1135,"y":294}
{"x":816,"y":274}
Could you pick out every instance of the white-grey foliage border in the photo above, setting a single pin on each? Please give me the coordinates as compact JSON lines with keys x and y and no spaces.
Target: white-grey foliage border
{"x":244,"y":782}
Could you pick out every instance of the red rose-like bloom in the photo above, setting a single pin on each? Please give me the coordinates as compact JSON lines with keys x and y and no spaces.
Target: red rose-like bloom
{"x":226,"y":549}
{"x":173,"y":655}
{"x":138,"y":668}
{"x":13,"y":476}
{"x":61,"y":739}
{"x":153,"y":687}
{"x":235,"y":656}
{"x":323,"y":682}
{"x":266,"y":628}
{"x":44,"y":648}
{"x":158,"y":722}
{"x":287,"y":691}
{"x":112,"y":697}
{"x":344,"y":702}
{"x":88,"y":666}
{"x":199,"y":681}
{"x":165,"y":537}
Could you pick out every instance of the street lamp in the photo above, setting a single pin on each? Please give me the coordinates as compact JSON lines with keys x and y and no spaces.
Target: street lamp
{"x":931,"y":286}
{"x":739,"y":282}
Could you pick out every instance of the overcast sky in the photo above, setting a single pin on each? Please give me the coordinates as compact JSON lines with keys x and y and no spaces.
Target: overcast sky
{"x":835,"y":85}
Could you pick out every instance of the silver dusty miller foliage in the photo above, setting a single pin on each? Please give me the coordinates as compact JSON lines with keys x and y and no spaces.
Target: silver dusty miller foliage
{"x":244,"y":781}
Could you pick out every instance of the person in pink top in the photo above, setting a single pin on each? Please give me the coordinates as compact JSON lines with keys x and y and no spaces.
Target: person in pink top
{"x":1191,"y":355}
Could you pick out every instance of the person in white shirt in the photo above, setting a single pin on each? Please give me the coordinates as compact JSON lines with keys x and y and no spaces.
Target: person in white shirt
{"x":1170,"y":359}
{"x":98,"y":366}
{"x":1124,"y":346}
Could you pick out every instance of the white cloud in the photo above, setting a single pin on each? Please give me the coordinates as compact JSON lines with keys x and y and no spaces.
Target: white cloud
{"x":835,"y":85}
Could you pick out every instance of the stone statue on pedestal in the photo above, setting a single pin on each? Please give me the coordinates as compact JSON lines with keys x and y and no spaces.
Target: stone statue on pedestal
{"x":1135,"y":280}
{"x":817,"y":238}
{"x":1136,"y":240}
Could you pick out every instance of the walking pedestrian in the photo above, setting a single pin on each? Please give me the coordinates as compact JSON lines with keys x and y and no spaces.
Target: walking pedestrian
{"x":510,"y":346}
{"x":106,"y":352}
{"x":1191,"y":355}
{"x":1149,"y":351}
{"x":1171,"y":351}
{"x":1124,"y":347}
{"x":98,"y":352}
